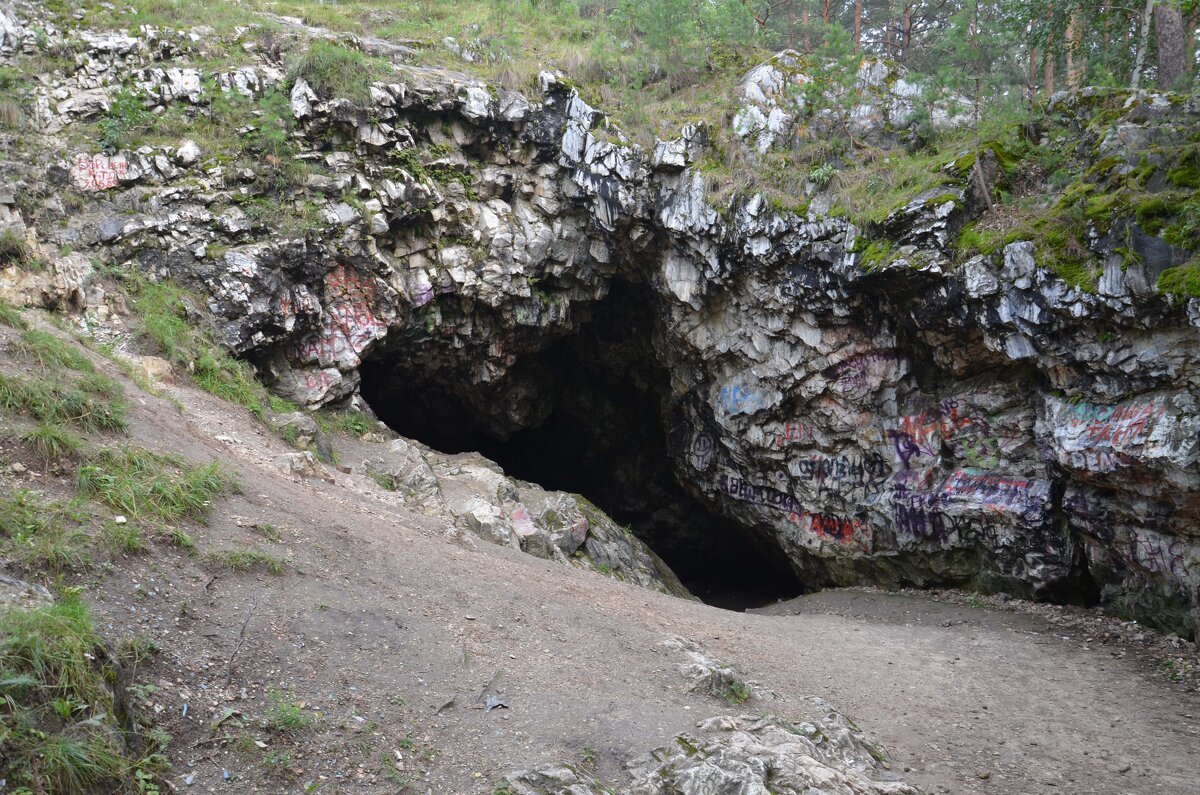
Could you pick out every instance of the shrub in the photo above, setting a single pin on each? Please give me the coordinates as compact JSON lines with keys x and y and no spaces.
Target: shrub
{"x":126,"y":116}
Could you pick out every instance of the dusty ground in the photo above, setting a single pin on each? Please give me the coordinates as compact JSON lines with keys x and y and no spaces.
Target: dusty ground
{"x":391,"y":630}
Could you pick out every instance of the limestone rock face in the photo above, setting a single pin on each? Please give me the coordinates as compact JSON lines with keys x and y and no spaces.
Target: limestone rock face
{"x":821,"y":755}
{"x":784,"y":103}
{"x":905,"y":419}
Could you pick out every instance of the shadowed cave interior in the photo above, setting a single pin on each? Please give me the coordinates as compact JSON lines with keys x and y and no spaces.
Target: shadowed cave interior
{"x":599,"y":429}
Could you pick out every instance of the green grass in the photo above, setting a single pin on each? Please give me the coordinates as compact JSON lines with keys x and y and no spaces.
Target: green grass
{"x":57,"y":403}
{"x":336,"y":71}
{"x":141,"y":484}
{"x":13,"y":248}
{"x":351,"y":423}
{"x":242,"y":559}
{"x":284,"y":714}
{"x":123,"y":539}
{"x":386,"y":480}
{"x":1183,"y":281}
{"x":42,"y":533}
{"x":11,"y":316}
{"x":162,"y":323}
{"x":268,"y":531}
{"x":734,"y":691}
{"x":52,"y":443}
{"x":58,"y":733}
{"x":50,"y":352}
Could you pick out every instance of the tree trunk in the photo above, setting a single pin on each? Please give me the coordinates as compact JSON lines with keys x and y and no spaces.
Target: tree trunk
{"x":1070,"y":40}
{"x":1173,"y":49}
{"x":984,"y":189}
{"x":826,"y":11}
{"x":858,"y":25}
{"x":906,"y":23}
{"x":1143,"y":43}
{"x":1031,"y":76}
{"x":807,"y":34}
{"x":1048,"y":79}
{"x":1076,"y":62}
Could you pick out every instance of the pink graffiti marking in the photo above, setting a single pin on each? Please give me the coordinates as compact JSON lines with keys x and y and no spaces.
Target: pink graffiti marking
{"x":348,"y":324}
{"x":970,"y":436}
{"x":793,"y":431}
{"x":522,"y":521}
{"x":318,"y":381}
{"x":98,"y":172}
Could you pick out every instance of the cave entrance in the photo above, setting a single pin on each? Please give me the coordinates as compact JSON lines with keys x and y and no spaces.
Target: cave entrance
{"x":593,"y":419}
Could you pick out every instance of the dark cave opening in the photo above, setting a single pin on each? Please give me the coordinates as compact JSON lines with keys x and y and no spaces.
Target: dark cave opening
{"x":595,"y":423}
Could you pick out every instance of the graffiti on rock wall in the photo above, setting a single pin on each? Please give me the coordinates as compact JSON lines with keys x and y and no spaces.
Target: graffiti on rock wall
{"x":1160,"y":555}
{"x":835,"y":528}
{"x":1126,"y":424}
{"x":1097,"y":460}
{"x":793,"y":432}
{"x":348,"y":323}
{"x":968,"y":435}
{"x":98,"y":172}
{"x":700,"y":454}
{"x":998,"y":493}
{"x":737,"y":399}
{"x":866,"y":371}
{"x":742,"y":490}
{"x":844,"y":471}
{"x":918,"y":514}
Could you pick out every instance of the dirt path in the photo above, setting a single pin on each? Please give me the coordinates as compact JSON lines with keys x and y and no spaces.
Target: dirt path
{"x":392,"y":628}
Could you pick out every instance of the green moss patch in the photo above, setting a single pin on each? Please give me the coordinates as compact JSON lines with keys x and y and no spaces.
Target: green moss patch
{"x":1183,"y":281}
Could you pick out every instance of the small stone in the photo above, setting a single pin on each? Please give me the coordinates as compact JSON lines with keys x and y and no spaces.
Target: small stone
{"x":187,"y":153}
{"x":119,"y":519}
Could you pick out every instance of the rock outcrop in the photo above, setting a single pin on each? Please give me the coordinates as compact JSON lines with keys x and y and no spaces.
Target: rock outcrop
{"x":475,"y":496}
{"x":754,"y":754}
{"x":858,"y":402}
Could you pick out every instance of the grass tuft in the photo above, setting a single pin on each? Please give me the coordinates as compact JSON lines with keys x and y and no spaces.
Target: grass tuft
{"x":284,"y":714}
{"x":57,"y":404}
{"x":42,"y":534}
{"x":143,"y":484}
{"x":336,"y":71}
{"x":13,"y":248}
{"x":241,"y":559}
{"x":123,"y":539}
{"x":162,"y":322}
{"x":58,"y":730}
{"x":52,"y":442}
{"x":11,"y":316}
{"x":50,"y":352}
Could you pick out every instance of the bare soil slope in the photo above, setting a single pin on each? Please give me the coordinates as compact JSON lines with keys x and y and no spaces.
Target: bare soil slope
{"x":392,"y":631}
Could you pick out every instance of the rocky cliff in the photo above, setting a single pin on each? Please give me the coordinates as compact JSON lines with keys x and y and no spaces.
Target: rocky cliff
{"x":504,"y":271}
